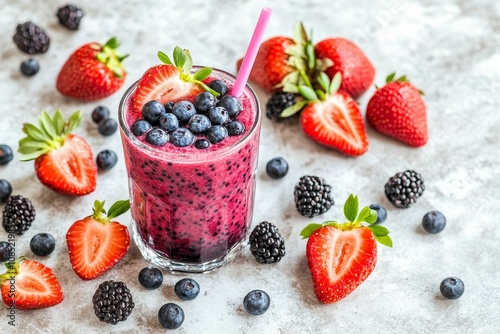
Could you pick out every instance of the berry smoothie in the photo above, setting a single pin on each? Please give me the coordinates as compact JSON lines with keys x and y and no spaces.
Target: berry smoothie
{"x":191,"y":208}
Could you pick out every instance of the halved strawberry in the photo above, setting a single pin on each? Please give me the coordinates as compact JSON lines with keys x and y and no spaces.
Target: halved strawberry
{"x":28,"y":284}
{"x":171,"y":81}
{"x":63,"y":161}
{"x":341,"y":256}
{"x":96,"y":243}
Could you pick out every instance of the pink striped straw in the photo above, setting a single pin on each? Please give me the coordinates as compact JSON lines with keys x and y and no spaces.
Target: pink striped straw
{"x":253,"y":48}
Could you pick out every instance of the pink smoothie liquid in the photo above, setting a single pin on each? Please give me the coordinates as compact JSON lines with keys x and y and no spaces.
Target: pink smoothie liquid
{"x":191,"y":208}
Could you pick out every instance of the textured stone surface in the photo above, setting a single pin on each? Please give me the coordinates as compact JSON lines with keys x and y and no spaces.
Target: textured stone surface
{"x":449,"y":49}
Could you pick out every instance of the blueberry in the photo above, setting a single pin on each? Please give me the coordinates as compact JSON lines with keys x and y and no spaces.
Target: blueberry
{"x":150,"y":278}
{"x":434,"y":222}
{"x":6,"y":251}
{"x":381,"y":213}
{"x":106,"y":159}
{"x":42,"y":244}
{"x":169,"y":106}
{"x":231,"y":104}
{"x":216,"y":134}
{"x":100,"y":113}
{"x":199,"y":124}
{"x":256,"y":302}
{"x":202,"y":144}
{"x":218,"y":115}
{"x":169,"y":122}
{"x":235,"y":128}
{"x":452,"y":288}
{"x":107,"y":126}
{"x":6,"y":154}
{"x":5,"y":191}
{"x":277,"y":168}
{"x":171,"y":316}
{"x":152,"y":111}
{"x":181,"y":137}
{"x":30,"y":67}
{"x":187,"y":289}
{"x":157,"y":137}
{"x":184,"y":110}
{"x":204,"y":102}
{"x":219,"y":86}
{"x":140,"y":127}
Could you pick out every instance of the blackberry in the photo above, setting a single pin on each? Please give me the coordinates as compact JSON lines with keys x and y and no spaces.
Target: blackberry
{"x":277,"y":103}
{"x":18,"y":215}
{"x":404,"y":188}
{"x":266,"y":243}
{"x":70,"y":16}
{"x":31,"y":38}
{"x":112,"y":302}
{"x":312,"y":196}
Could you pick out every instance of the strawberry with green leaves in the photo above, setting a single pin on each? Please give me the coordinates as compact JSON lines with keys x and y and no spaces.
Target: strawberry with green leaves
{"x":341,"y":256}
{"x":172,"y":80}
{"x":92,"y":72}
{"x":397,"y":110}
{"x":28,"y":284}
{"x":96,"y":243}
{"x":63,"y":161}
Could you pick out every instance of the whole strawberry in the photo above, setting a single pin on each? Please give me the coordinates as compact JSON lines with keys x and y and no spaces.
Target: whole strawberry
{"x":398,"y":111}
{"x":96,"y":243}
{"x":341,"y":256}
{"x":92,"y":72}
{"x":63,"y":161}
{"x":36,"y":286}
{"x":348,"y":59}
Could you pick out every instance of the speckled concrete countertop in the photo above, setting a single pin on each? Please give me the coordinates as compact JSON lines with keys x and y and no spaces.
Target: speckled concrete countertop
{"x":449,"y":49}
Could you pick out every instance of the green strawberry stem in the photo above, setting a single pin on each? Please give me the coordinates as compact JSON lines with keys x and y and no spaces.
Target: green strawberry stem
{"x":48,"y":136}
{"x":391,"y":78}
{"x":184,"y":63}
{"x":109,"y":56}
{"x":355,"y":219}
{"x":118,"y":208}
{"x":12,"y":269}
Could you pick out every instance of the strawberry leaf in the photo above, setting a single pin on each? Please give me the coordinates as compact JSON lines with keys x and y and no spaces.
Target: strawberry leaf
{"x":73,"y":122}
{"x":188,"y":63}
{"x":164,"y":58}
{"x":293,"y":109}
{"x":402,"y":79}
{"x":309,"y":229}
{"x":202,"y":74}
{"x":47,"y":126}
{"x":363,"y":214}
{"x":113,"y":43}
{"x":379,"y":230}
{"x":311,"y":56}
{"x":58,"y":121}
{"x":372,"y":218}
{"x":33,"y":132}
{"x":390,"y":77}
{"x":351,"y":207}
{"x":307,"y":93}
{"x":291,"y":88}
{"x":335,"y":84}
{"x":179,"y":58}
{"x":118,"y":208}
{"x":385,"y":240}
{"x":324,"y":81}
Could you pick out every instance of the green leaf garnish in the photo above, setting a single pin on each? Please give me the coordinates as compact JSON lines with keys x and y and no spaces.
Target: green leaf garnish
{"x":351,"y":208}
{"x":307,"y":92}
{"x":335,"y":84}
{"x":309,"y":229}
{"x":203,"y":73}
{"x":294,"y":109}
{"x":118,"y":208}
{"x":164,"y":58}
{"x":390,"y":77}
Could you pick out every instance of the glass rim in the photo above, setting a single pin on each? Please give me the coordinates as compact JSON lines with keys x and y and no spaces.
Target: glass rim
{"x":200,"y":153}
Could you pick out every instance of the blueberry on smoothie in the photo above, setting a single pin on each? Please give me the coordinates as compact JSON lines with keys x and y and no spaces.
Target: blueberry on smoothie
{"x":6,"y":154}
{"x":231,"y":104}
{"x":171,"y":316}
{"x":452,"y":288}
{"x":100,"y":113}
{"x":235,"y":128}
{"x":42,"y":244}
{"x":150,"y":278}
{"x":140,"y":127}
{"x":107,"y":126}
{"x":152,"y":111}
{"x":204,"y":102}
{"x":256,"y":302}
{"x":157,"y":137}
{"x":218,"y":115}
{"x":5,"y":191}
{"x":219,"y":86}
{"x":187,"y":289}
{"x":184,"y":110}
{"x":434,"y":222}
{"x":277,"y":168}
{"x":106,"y":159}
{"x":199,"y":124}
{"x":169,"y":106}
{"x":201,"y":144}
{"x":169,"y":122}
{"x":181,"y":137}
{"x":216,"y":134}
{"x":381,"y":213}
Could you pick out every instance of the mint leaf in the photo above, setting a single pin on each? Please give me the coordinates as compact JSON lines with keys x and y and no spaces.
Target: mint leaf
{"x":385,"y":240}
{"x":351,"y":207}
{"x":118,"y":208}
{"x":309,"y":229}
{"x":164,"y":58}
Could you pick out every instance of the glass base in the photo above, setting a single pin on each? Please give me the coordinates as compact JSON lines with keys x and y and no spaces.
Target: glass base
{"x":173,"y":266}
